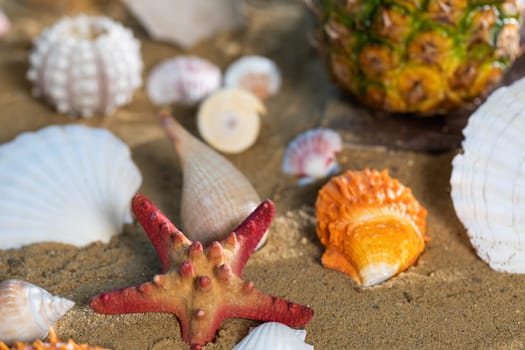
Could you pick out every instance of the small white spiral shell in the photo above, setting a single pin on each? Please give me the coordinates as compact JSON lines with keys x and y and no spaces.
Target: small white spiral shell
{"x":86,"y":65}
{"x":28,"y":311}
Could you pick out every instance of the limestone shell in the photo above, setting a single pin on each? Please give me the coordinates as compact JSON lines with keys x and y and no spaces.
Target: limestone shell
{"x":70,"y":184}
{"x":488,"y":179}
{"x":184,"y":79}
{"x":274,"y":336}
{"x":86,"y":66}
{"x":312,"y":155}
{"x":371,"y":225}
{"x":257,"y":74}
{"x":229,"y":120}
{"x":216,"y":196}
{"x":28,"y":311}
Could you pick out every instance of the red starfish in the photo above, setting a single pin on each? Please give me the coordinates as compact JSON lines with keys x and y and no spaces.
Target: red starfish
{"x":202,"y":287}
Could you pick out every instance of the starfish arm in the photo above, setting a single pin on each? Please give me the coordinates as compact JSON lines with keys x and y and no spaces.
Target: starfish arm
{"x":249,"y":233}
{"x":163,"y":234}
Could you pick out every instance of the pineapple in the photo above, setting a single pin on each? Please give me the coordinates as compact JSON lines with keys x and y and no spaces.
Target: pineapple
{"x":418,"y":56}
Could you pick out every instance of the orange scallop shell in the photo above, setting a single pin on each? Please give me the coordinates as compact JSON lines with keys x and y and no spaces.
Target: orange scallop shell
{"x":52,"y":344}
{"x":371,"y":225}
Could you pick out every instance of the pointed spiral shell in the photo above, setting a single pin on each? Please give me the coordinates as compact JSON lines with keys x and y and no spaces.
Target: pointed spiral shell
{"x":28,"y":311}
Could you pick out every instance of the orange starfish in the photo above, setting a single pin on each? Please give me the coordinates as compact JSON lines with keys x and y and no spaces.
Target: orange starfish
{"x":53,"y":344}
{"x":202,"y":287}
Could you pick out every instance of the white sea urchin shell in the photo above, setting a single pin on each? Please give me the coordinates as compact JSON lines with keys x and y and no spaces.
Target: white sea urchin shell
{"x":27,"y":311}
{"x":257,"y":74}
{"x":311,"y":155}
{"x":70,"y":184}
{"x":185,"y":79}
{"x":488,"y":179}
{"x":86,"y":65}
{"x":274,"y":336}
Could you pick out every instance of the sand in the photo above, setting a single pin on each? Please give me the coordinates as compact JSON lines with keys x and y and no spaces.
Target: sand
{"x":449,"y":300}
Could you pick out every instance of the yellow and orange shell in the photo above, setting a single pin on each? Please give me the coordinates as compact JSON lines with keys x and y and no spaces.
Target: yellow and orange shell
{"x":53,"y":343}
{"x":371,"y":225}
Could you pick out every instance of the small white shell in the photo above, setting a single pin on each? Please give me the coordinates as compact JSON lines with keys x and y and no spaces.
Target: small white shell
{"x":5,"y":24}
{"x":71,"y":184}
{"x":229,"y":120}
{"x":312,"y":155}
{"x":257,"y":74}
{"x":274,"y":336}
{"x":86,"y":65}
{"x":488,"y":179}
{"x":28,"y":312}
{"x":185,"y":79}
{"x":216,"y":196}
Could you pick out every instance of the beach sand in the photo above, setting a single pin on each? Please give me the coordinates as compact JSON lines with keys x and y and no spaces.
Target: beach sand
{"x":449,"y":300}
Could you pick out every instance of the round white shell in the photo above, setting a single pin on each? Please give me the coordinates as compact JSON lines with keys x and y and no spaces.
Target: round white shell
{"x":488,"y":179}
{"x":86,"y":65}
{"x":312,"y":155}
{"x":229,"y":120}
{"x":257,"y":74}
{"x":70,"y":184}
{"x":5,"y":24}
{"x":185,"y":79}
{"x":274,"y":336}
{"x":27,"y":311}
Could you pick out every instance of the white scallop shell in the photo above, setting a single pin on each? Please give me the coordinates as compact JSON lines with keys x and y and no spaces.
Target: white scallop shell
{"x":70,"y":184}
{"x":488,"y":179}
{"x":274,"y":336}
{"x":229,"y":120}
{"x":312,"y":155}
{"x":28,"y":311}
{"x":185,"y":79}
{"x":257,"y":74}
{"x":216,"y":196}
{"x":86,"y":65}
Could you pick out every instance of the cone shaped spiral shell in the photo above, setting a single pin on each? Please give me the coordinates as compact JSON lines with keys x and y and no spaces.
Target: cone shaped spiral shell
{"x":71,"y":184}
{"x":216,"y":197}
{"x":488,"y":179}
{"x":274,"y":336}
{"x":371,"y":225}
{"x":27,"y":311}
{"x":86,"y":65}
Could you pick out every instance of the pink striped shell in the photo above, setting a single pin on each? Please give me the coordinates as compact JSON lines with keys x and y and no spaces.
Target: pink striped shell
{"x":184,"y":79}
{"x":312,"y":155}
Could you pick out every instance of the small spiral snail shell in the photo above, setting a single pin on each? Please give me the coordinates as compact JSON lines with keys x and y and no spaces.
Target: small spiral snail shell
{"x":28,"y":311}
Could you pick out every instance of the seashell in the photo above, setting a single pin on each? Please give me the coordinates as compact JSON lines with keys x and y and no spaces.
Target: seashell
{"x":228,"y":120}
{"x":216,"y":197}
{"x":274,"y":336}
{"x":71,"y":184}
{"x":53,"y":343}
{"x":28,"y":311}
{"x":488,"y":179}
{"x":185,"y":79}
{"x":86,"y":65}
{"x":5,"y":24}
{"x":312,"y":155}
{"x":257,"y":74}
{"x":371,"y":225}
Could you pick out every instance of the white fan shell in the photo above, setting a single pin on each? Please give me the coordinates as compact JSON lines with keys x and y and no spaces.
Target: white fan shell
{"x":70,"y":184}
{"x":488,"y":179}
{"x":274,"y":336}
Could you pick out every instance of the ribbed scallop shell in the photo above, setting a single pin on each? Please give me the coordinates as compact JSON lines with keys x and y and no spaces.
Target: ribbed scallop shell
{"x":184,"y":79}
{"x":371,"y":225}
{"x":28,"y":311}
{"x":312,"y":155}
{"x":216,"y":196}
{"x":86,"y":65}
{"x":257,"y":74}
{"x":70,"y":184}
{"x":274,"y":336}
{"x":488,"y":179}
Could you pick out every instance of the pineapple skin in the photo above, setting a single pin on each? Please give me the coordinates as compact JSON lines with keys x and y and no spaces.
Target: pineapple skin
{"x":418,"y":56}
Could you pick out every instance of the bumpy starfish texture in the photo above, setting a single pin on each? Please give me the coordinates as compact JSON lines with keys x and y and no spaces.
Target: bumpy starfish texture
{"x":201,"y":286}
